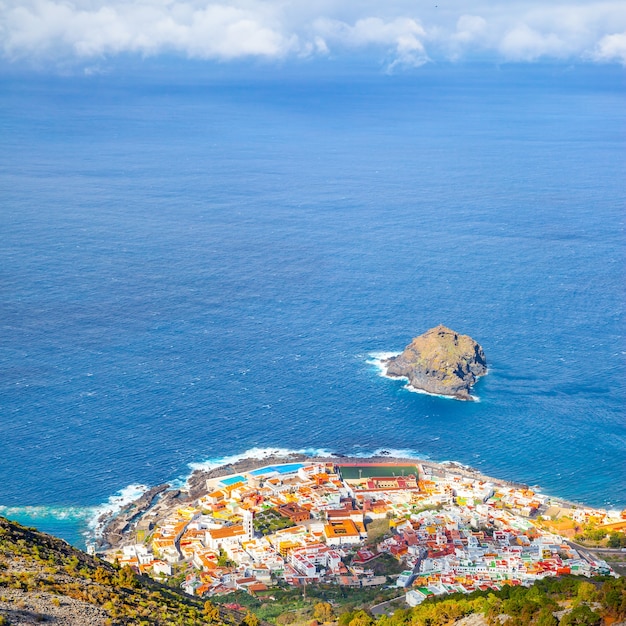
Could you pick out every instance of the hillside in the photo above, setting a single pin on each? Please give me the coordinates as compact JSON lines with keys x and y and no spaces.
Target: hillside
{"x":45,"y":580}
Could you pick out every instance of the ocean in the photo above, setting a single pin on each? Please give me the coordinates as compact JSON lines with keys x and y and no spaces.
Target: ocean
{"x":196,"y":265}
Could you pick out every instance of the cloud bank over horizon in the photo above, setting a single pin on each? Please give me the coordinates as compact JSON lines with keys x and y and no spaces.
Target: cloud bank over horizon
{"x":398,"y":32}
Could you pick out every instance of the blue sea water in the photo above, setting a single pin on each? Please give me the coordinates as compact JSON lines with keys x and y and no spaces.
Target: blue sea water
{"x":197,"y":265}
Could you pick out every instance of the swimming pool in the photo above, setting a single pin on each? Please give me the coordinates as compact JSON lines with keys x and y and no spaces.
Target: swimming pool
{"x":232,"y":480}
{"x":289,"y":468}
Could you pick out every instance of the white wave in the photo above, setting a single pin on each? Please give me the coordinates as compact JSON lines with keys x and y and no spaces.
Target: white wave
{"x":457,"y":464}
{"x":91,"y":519}
{"x":46,"y":512}
{"x":377,"y":359}
{"x":394,"y":453}
{"x":412,"y":389}
{"x":252,"y":453}
{"x":102,"y":513}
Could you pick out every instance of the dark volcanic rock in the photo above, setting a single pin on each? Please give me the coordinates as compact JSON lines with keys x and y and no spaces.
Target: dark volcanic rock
{"x":441,"y":362}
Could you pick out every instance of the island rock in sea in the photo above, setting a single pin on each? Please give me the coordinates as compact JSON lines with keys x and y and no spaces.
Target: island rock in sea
{"x":441,"y":362}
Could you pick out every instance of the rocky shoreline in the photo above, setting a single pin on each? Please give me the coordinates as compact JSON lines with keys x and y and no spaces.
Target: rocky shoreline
{"x":112,"y":527}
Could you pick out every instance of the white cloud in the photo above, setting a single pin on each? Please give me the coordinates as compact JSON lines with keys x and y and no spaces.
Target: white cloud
{"x":469,"y":28}
{"x":401,"y":32}
{"x":612,"y":48}
{"x":210,"y":31}
{"x":523,"y":43}
{"x":403,"y":36}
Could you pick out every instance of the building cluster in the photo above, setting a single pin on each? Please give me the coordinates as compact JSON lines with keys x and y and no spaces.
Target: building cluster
{"x":307,"y":523}
{"x":471,"y":534}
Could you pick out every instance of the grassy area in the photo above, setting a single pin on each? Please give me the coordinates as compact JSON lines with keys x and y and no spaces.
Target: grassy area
{"x":289,"y":604}
{"x":355,"y":472}
{"x":376,"y":530}
{"x":386,"y":565}
{"x":269,"y":521}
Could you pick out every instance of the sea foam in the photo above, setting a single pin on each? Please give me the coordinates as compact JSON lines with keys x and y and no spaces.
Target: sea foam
{"x":252,"y":453}
{"x":42,"y":513}
{"x":392,"y":453}
{"x":103,"y":513}
{"x":377,"y":359}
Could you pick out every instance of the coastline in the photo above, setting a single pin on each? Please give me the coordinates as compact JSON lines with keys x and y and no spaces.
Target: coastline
{"x":114,"y":529}
{"x":301,"y":518}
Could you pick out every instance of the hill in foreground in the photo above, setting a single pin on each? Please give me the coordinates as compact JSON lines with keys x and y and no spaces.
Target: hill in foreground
{"x":45,"y":580}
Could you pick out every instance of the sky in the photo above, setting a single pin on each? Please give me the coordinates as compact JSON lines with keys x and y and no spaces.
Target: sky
{"x":396,"y":34}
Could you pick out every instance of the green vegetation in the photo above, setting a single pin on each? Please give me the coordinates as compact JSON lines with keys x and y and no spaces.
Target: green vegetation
{"x":616,"y":540}
{"x":288,"y":605}
{"x":223,"y":560}
{"x":574,"y":600}
{"x":427,"y":507}
{"x":591,"y":534}
{"x":323,"y":612}
{"x":269,"y":521}
{"x":376,"y":530}
{"x":584,"y":602}
{"x":355,"y":472}
{"x":385,"y":565}
{"x":597,"y":536}
{"x":31,"y":561}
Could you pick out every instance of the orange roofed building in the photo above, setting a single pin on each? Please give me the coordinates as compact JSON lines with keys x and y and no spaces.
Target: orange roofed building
{"x":218,"y":537}
{"x":344,"y":532}
{"x":294,"y":512}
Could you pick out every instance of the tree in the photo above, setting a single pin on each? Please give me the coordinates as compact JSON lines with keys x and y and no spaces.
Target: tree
{"x":593,"y":533}
{"x":546,"y":618}
{"x":211,"y":612}
{"x":361,"y":618}
{"x":345,"y":618}
{"x":617,"y":540}
{"x":125,"y":577}
{"x":586,"y":592}
{"x":223,"y":560}
{"x":323,"y":612}
{"x":102,"y":577}
{"x":582,"y":615}
{"x":250,"y":619}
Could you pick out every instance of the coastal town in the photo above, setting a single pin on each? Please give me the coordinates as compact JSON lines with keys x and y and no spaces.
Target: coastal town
{"x":447,"y":529}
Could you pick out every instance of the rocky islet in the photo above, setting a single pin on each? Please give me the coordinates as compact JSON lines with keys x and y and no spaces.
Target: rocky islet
{"x":440,"y":361}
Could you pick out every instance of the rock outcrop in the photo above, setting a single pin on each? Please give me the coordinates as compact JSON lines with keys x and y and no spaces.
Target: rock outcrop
{"x":441,"y":362}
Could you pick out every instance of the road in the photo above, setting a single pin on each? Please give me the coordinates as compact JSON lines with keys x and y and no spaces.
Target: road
{"x":384,"y":608}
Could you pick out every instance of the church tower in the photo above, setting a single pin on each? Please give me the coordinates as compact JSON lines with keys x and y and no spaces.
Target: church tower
{"x":248,"y":526}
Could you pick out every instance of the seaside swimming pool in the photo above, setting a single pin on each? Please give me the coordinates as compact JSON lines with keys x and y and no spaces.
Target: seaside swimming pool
{"x":232,"y":480}
{"x":290,"y":468}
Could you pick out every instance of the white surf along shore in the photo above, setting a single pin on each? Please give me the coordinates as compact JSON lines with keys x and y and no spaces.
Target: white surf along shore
{"x":378,"y":360}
